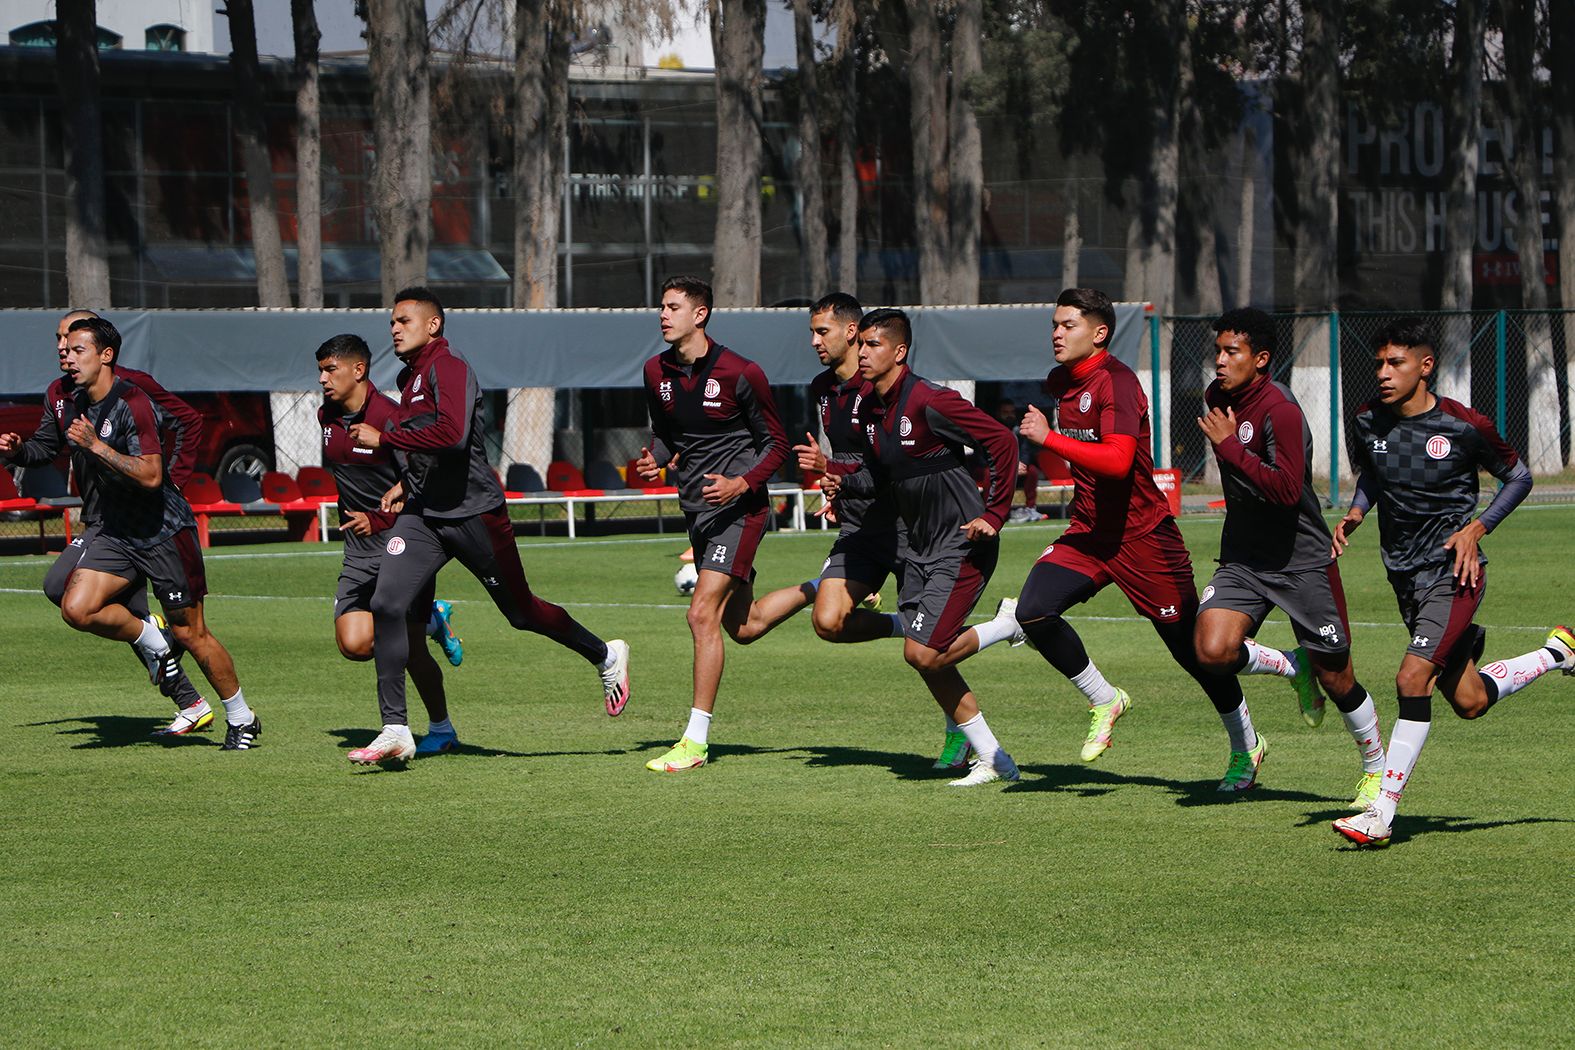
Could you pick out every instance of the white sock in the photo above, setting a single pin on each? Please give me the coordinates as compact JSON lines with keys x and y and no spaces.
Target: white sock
{"x":1405,"y":744}
{"x":236,"y":712}
{"x":979,"y":735}
{"x":1263,"y":660}
{"x":951,"y":726}
{"x":996,"y":629}
{"x":1092,"y":684}
{"x":151,"y":640}
{"x":896,"y":624}
{"x":444,"y":726}
{"x":393,"y":730}
{"x":1363,"y":724}
{"x":1512,"y":675}
{"x":606,"y":661}
{"x":699,"y":725}
{"x":1238,"y":726}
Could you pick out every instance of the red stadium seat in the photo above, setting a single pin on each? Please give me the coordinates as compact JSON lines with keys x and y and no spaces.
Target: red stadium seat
{"x":317,"y":483}
{"x":563,"y":476}
{"x":300,"y":514}
{"x":13,"y":503}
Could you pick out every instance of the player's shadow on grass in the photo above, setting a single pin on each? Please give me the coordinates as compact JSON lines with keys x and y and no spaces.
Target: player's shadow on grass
{"x":1410,"y":827}
{"x":352,"y":738}
{"x":1091,"y":781}
{"x":122,"y":731}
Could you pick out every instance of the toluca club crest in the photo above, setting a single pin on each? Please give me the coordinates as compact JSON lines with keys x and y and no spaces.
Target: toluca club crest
{"x":905,"y":426}
{"x":713,"y":388}
{"x":1437,"y":447}
{"x":1244,"y":432}
{"x":1085,"y":402}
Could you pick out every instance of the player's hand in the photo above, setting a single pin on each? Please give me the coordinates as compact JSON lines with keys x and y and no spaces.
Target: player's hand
{"x":365,"y":435}
{"x":1034,"y":426}
{"x":830,"y":485}
{"x":979,"y":529}
{"x":80,"y":433}
{"x":1217,"y":425}
{"x":357,"y":523}
{"x":810,"y":457}
{"x":1343,"y":530}
{"x":9,"y":443}
{"x":723,"y":489}
{"x":1022,"y":468}
{"x":647,"y":467}
{"x":1468,"y":567}
{"x":393,"y":500}
{"x":826,"y":511}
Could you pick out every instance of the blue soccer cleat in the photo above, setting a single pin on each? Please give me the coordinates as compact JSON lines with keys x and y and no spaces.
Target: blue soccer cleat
{"x":440,"y":627}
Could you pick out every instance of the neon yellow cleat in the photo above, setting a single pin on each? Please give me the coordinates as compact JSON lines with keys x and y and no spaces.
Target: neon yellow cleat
{"x":1561,"y":640}
{"x":1367,"y":791}
{"x":871,"y":601}
{"x":684,"y":756}
{"x":1102,"y":721}
{"x":1307,"y":694}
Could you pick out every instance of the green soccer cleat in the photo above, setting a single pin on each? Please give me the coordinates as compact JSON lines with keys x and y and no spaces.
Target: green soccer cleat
{"x":684,"y":756}
{"x":1102,"y":720}
{"x":1242,"y":773}
{"x":955,"y":752}
{"x":1367,"y":791}
{"x":1306,"y":686}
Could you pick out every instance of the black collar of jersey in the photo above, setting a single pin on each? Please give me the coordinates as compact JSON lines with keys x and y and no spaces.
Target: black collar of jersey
{"x":670,"y":363}
{"x":117,"y":390}
{"x":422,"y":359}
{"x":892,"y":408}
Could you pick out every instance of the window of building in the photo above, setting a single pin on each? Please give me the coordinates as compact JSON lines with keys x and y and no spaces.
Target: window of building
{"x":42,"y":34}
{"x":166,"y":38}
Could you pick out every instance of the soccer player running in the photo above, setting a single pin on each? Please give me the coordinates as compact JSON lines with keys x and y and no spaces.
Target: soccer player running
{"x":1418,"y":456}
{"x":1274,"y":551}
{"x":146,"y":529}
{"x":181,"y":430}
{"x":916,"y":435}
{"x":449,"y":504}
{"x":714,"y":420}
{"x":1121,"y":530}
{"x":362,"y":475}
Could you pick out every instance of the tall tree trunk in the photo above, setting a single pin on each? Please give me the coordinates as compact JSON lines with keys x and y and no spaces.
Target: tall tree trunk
{"x":811,"y":186}
{"x":308,"y":157}
{"x":738,"y":36}
{"x":541,"y":106}
{"x":1161,"y":181}
{"x":1315,"y":276}
{"x":1246,"y":215}
{"x":87,"y":253}
{"x":1544,"y":454}
{"x":847,"y":141}
{"x":1561,"y":33}
{"x":964,"y":156}
{"x":251,"y":125}
{"x":397,"y":49}
{"x":1464,"y":122}
{"x":927,"y":128}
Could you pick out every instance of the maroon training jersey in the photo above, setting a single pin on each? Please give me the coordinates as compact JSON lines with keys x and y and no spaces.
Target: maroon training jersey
{"x":362,"y":475}
{"x":1109,"y":400}
{"x":437,"y":434}
{"x":718,"y":417}
{"x":127,"y":421}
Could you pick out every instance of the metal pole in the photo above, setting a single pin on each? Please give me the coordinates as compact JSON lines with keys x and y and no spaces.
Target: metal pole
{"x":1334,"y":408}
{"x":1155,"y":422}
{"x":1502,"y":361}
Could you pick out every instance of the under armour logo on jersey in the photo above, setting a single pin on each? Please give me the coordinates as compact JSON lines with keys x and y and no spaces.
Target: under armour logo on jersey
{"x":328,"y":433}
{"x":175,"y":596}
{"x":918,"y":622}
{"x":104,"y":430}
{"x":664,"y":390}
{"x":1380,"y":445}
{"x":713,"y":388}
{"x":1244,"y":432}
{"x":1419,"y":640}
{"x":1438,"y":446}
{"x":905,"y":426}
{"x":1167,"y":610}
{"x":1085,"y":402}
{"x":60,"y":409}
{"x":489,"y":581}
{"x":396,"y":545}
{"x":719,"y":555}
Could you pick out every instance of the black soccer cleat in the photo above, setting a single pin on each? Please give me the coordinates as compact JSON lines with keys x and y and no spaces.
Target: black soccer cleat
{"x":242,"y":738}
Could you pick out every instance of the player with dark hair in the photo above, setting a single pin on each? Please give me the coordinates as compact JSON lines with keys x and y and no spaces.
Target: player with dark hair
{"x":362,"y":475}
{"x":1121,"y":530}
{"x":449,"y":504}
{"x":916,"y":434}
{"x":1418,"y":455}
{"x":1274,"y":551}
{"x":181,"y":430}
{"x":146,"y":528}
{"x":714,"y":419}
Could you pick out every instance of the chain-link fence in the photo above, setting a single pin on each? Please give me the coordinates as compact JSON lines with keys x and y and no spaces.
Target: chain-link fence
{"x":1512,"y":366}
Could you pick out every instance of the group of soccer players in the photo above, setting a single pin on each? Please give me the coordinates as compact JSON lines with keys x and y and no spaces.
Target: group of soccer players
{"x":416,"y":490}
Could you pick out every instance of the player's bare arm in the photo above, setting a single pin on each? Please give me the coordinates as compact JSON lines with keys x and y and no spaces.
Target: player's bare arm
{"x":1468,"y":566}
{"x":723,"y":490}
{"x":1217,"y":426}
{"x":1344,"y":528}
{"x":365,"y":435}
{"x":146,"y":471}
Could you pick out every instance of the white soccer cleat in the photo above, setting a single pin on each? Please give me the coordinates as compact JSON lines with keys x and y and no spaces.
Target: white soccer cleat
{"x":615,"y":680}
{"x":1006,"y":609}
{"x":1367,"y":828}
{"x":987,"y":769}
{"x":394,"y":745}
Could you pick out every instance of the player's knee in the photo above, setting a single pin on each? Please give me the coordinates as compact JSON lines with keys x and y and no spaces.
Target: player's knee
{"x":923,"y":659}
{"x":829,"y":623}
{"x":1216,"y":655}
{"x":1413,"y":683}
{"x":357,"y":649}
{"x":386,"y":607}
{"x":703,"y":619}
{"x":76,"y":613}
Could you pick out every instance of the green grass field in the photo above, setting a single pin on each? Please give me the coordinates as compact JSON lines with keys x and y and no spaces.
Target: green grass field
{"x":815,"y":885}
